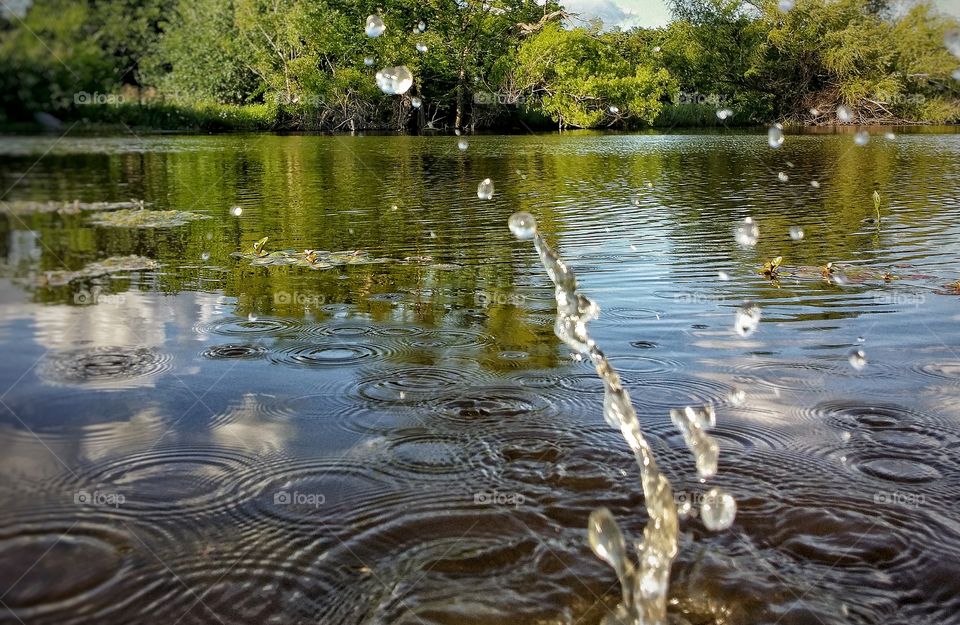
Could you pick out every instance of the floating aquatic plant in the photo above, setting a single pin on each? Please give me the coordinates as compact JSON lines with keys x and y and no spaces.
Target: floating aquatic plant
{"x":112,"y":265}
{"x":66,"y":208}
{"x":144,"y":218}
{"x":323,"y":259}
{"x":771,"y":268}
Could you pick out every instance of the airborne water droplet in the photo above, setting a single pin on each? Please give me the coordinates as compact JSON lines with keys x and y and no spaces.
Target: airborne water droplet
{"x":463,"y":144}
{"x":723,"y":275}
{"x":844,"y":114}
{"x":718,"y":510}
{"x":815,"y":184}
{"x":956,"y":74}
{"x":416,"y":102}
{"x":375,"y":26}
{"x":635,"y":200}
{"x":251,"y":317}
{"x":889,"y":136}
{"x":858,"y":360}
{"x":796,"y":233}
{"x":747,"y":319}
{"x":205,"y":256}
{"x":785,"y":5}
{"x":236,"y":211}
{"x":861,"y":138}
{"x":614,"y":110}
{"x":369,"y":61}
{"x":951,"y":39}
{"x":395,"y":80}
{"x":747,"y":232}
{"x":522,"y":225}
{"x":724,"y":114}
{"x":775,"y":136}
{"x":485,"y":189}
{"x":422,"y":26}
{"x":421,"y":47}
{"x":737,"y":397}
{"x":783,"y":177}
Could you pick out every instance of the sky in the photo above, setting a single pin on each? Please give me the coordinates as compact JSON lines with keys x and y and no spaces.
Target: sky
{"x":630,"y":13}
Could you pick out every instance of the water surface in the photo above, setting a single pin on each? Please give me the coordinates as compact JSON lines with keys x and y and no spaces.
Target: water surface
{"x":407,"y":442}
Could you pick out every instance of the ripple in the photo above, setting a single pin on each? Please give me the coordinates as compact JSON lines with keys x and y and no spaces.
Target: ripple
{"x":677,"y":392}
{"x":949,"y":371}
{"x":629,"y":314}
{"x":421,"y":453}
{"x":240,"y":326}
{"x":493,"y":405}
{"x":334,"y":354}
{"x":791,"y":376}
{"x":644,"y":364}
{"x":904,"y":470}
{"x":449,"y":339}
{"x":853,"y":415}
{"x":182,"y":483}
{"x":234,"y":351}
{"x":58,"y":569}
{"x":410,"y":385}
{"x":103,"y":366}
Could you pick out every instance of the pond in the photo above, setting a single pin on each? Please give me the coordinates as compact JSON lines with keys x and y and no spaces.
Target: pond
{"x":195,"y":430}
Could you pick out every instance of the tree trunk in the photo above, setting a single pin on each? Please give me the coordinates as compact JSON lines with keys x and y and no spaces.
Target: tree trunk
{"x":461,"y":100}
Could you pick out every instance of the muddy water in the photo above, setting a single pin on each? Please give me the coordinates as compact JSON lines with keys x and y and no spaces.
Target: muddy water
{"x":212,"y":441}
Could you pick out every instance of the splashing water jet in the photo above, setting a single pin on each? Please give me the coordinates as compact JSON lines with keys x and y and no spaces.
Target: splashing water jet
{"x":644,"y":585}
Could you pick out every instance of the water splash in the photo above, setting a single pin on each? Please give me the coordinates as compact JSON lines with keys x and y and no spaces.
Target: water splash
{"x":747,"y":232}
{"x":485,"y":189}
{"x":644,"y":586}
{"x":775,"y":136}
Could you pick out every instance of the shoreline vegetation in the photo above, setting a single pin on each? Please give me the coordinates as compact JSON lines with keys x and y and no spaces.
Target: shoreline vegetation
{"x":511,"y":65}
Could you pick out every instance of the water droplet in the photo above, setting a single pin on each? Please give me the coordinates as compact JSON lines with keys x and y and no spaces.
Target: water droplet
{"x":723,"y":275}
{"x":463,"y":144}
{"x":724,"y":114}
{"x":522,"y":175}
{"x":861,"y":137}
{"x":633,"y":248}
{"x":737,"y":397}
{"x":205,"y":256}
{"x":789,"y":164}
{"x":747,"y":232}
{"x":656,"y":48}
{"x":684,"y":509}
{"x":394,"y":207}
{"x":815,"y":112}
{"x":485,"y":189}
{"x":796,"y":233}
{"x":844,"y":114}
{"x":421,"y":47}
{"x":251,"y":317}
{"x":951,"y":39}
{"x":775,"y":136}
{"x":236,"y":211}
{"x":395,"y":80}
{"x":635,"y":200}
{"x":522,"y":225}
{"x":369,"y":61}
{"x":422,"y":26}
{"x":416,"y":102}
{"x":649,"y":185}
{"x":858,"y":360}
{"x":614,"y":110}
{"x":785,"y":5}
{"x":956,"y":74}
{"x":845,"y":437}
{"x":783,"y":177}
{"x":375,"y":26}
{"x":718,"y":510}
{"x":433,"y":235}
{"x":747,"y":319}
{"x":815,"y":184}
{"x":861,"y":339}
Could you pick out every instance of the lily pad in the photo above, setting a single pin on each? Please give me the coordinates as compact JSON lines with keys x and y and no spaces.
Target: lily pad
{"x":145,"y":218}
{"x":114,"y":264}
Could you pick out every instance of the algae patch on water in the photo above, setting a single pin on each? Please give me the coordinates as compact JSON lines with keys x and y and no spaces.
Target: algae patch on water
{"x":145,"y":218}
{"x":66,"y":208}
{"x":108,"y":266}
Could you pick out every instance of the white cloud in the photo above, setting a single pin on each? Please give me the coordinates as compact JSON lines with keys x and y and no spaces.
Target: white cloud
{"x":622,"y":13}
